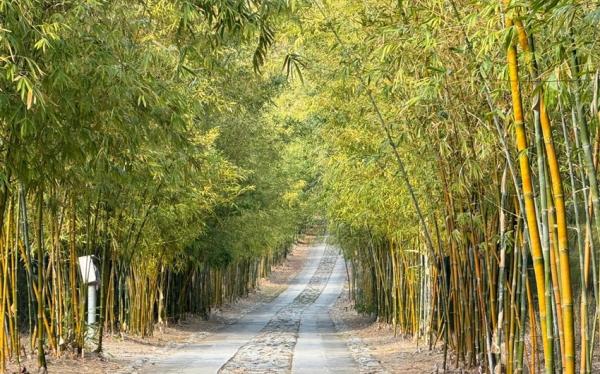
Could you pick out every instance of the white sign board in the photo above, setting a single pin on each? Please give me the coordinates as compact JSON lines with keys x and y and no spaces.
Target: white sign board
{"x":88,"y":269}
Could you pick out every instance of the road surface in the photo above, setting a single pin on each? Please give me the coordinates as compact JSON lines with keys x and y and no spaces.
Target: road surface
{"x":293,"y":333}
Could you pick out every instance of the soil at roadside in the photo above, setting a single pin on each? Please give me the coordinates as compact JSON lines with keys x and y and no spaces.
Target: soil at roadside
{"x":378,"y":349}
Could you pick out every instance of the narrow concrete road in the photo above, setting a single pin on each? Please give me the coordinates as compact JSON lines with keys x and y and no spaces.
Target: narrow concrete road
{"x":319,"y":348}
{"x":292,"y":333}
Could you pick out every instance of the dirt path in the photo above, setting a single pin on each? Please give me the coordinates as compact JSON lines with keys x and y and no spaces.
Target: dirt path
{"x":377,"y":348}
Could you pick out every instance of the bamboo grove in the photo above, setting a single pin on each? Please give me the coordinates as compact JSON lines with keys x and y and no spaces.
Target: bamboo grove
{"x":135,"y":132}
{"x":458,"y":162}
{"x":451,"y":145}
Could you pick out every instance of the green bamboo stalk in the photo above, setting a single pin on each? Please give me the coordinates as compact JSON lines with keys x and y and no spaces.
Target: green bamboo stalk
{"x":41,"y":355}
{"x":103,"y":280}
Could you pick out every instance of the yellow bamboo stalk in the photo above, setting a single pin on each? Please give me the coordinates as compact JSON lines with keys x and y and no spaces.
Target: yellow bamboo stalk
{"x":530,"y":212}
{"x":562,"y":241}
{"x":561,"y":216}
